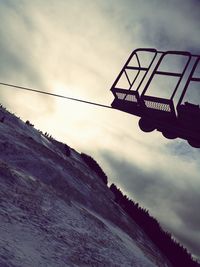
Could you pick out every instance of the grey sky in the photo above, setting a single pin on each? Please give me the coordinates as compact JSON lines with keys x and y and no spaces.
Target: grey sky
{"x":77,"y":48}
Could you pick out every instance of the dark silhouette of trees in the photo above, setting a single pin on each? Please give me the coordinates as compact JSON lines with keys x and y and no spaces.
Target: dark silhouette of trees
{"x":95,"y":167}
{"x":29,"y":124}
{"x":176,"y":253}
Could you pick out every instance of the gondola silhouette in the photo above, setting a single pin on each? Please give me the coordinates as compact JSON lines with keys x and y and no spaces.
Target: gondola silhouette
{"x":158,"y":87}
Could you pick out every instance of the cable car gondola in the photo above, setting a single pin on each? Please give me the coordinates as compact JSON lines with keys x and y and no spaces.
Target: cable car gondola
{"x":153,"y":85}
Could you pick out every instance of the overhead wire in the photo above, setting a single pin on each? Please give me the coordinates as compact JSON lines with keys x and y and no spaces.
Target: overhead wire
{"x":55,"y":95}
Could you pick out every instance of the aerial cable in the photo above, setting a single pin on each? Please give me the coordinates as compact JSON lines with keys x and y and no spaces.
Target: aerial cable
{"x":55,"y":95}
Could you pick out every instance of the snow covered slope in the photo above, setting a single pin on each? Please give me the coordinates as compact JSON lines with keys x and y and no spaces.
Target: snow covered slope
{"x":55,"y":211}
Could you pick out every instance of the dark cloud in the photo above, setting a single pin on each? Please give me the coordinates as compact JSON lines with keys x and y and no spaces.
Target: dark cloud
{"x":140,"y":183}
{"x":183,"y":150}
{"x":170,"y":25}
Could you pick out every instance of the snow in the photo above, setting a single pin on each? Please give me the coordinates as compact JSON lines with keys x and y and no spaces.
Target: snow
{"x":55,"y":211}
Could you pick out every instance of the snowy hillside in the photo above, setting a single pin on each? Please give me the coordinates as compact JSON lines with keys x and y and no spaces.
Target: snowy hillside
{"x":55,"y":211}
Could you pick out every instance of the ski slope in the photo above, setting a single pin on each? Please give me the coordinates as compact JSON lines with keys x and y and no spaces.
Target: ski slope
{"x":56,"y":212}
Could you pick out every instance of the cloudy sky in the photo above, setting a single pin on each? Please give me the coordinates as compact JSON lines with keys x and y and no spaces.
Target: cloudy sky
{"x":76,"y":48}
